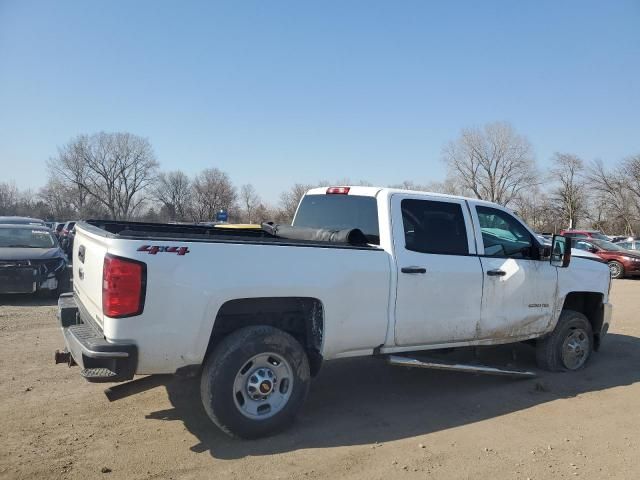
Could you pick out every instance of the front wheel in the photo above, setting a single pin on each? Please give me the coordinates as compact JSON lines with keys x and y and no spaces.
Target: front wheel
{"x":616,"y":269}
{"x":255,"y":382}
{"x":569,"y":346}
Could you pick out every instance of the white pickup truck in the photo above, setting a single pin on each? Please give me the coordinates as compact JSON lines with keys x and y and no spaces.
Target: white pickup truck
{"x":362,"y":271}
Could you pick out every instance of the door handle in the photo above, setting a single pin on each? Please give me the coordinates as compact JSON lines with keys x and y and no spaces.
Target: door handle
{"x":413,"y":270}
{"x":496,"y":273}
{"x":81,"y":273}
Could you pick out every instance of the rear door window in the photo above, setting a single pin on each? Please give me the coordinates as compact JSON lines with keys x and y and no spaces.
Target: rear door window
{"x":434,"y":227}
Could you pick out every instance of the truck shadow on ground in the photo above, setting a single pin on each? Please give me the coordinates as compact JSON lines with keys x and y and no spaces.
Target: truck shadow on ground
{"x":363,"y":401}
{"x":28,"y":300}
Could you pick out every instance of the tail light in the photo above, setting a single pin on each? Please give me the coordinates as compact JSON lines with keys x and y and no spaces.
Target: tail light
{"x":338,"y":190}
{"x":124,"y":284}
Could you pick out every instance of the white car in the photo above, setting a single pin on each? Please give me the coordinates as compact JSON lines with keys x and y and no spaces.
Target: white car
{"x":363,"y":271}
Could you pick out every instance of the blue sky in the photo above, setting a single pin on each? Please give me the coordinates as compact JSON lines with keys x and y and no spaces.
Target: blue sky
{"x":277,"y":92}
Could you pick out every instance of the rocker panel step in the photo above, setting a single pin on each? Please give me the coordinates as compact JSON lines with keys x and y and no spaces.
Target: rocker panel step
{"x":457,"y":367}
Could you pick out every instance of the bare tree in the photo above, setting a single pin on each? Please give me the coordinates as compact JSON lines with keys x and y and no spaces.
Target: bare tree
{"x":265,"y":213}
{"x":249,"y":200}
{"x":448,"y":186}
{"x":212,"y":192}
{"x":8,"y":198}
{"x":68,"y":175}
{"x":410,"y":185}
{"x":570,"y":194}
{"x":630,"y":172}
{"x":535,"y":208}
{"x":113,"y":168}
{"x":494,"y":163}
{"x":289,"y":201}
{"x":173,"y":190}
{"x":611,"y":191}
{"x":57,"y":195}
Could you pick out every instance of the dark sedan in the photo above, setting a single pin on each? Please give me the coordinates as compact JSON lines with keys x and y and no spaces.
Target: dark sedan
{"x":31,"y":260}
{"x":622,"y":262}
{"x":13,"y":220}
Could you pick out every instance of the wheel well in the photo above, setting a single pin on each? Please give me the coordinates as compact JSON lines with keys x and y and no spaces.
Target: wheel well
{"x":591,"y":305}
{"x":302,"y":317}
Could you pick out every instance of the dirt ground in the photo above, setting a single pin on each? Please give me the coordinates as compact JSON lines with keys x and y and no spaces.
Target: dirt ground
{"x":363,"y":419}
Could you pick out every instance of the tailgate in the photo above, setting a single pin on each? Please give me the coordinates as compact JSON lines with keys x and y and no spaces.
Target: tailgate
{"x":88,"y":258}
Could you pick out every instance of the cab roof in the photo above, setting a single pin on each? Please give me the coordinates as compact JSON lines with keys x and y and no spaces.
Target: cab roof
{"x":375,"y":191}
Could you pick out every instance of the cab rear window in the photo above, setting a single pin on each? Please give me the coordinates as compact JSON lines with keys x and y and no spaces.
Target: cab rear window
{"x":340,"y":212}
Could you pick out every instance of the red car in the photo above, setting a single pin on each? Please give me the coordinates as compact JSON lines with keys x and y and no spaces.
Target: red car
{"x":622,"y":262}
{"x":584,"y":234}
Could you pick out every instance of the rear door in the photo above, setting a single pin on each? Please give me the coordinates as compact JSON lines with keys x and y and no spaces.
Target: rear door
{"x":439,"y":286}
{"x":519,"y":288}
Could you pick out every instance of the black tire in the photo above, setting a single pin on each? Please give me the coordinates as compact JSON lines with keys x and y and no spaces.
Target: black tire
{"x":549,"y":350}
{"x":64,"y":284}
{"x":616,"y":269}
{"x":225,"y":362}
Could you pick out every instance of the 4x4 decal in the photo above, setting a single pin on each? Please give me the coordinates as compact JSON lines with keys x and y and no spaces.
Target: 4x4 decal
{"x":153,"y":249}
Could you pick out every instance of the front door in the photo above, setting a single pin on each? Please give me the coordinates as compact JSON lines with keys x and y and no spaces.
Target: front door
{"x":439,"y":288}
{"x":519,"y":288}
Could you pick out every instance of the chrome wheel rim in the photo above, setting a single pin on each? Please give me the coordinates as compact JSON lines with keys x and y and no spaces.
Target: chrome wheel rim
{"x":575,"y":349}
{"x":614,"y":269}
{"x":263,"y":386}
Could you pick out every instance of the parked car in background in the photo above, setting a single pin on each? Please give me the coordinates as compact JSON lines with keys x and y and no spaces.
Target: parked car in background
{"x":620,"y":238}
{"x":66,"y":237}
{"x":622,"y":262}
{"x":14,"y":220}
{"x":31,"y":260}
{"x":57,"y":228}
{"x":584,"y":233}
{"x":546,"y":236}
{"x":630,"y":244}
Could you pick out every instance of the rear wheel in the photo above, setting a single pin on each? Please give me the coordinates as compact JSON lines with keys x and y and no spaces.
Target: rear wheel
{"x":616,"y":269}
{"x":255,"y":381}
{"x":569,"y":346}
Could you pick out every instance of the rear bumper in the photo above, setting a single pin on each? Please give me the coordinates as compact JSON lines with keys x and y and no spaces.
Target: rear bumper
{"x":100,"y":360}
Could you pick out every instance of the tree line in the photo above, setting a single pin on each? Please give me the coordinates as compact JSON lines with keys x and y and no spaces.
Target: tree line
{"x":116,"y":175}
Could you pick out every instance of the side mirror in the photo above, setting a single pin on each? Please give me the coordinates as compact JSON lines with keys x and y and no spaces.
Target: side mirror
{"x":560,"y":251}
{"x":545,"y":252}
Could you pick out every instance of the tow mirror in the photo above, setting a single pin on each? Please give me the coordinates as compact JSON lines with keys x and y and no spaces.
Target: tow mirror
{"x":560,"y":251}
{"x":545,"y":252}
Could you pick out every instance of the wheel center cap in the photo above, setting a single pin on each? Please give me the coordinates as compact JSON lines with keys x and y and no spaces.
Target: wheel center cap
{"x":265,"y":387}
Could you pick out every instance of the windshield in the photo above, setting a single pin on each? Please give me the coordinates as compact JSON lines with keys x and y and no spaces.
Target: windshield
{"x":606,"y":245}
{"x":600,"y":236}
{"x":26,"y":238}
{"x":340,"y":212}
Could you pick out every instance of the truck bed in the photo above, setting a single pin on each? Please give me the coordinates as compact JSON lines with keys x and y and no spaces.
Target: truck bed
{"x":203,"y":233}
{"x":185,"y":293}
